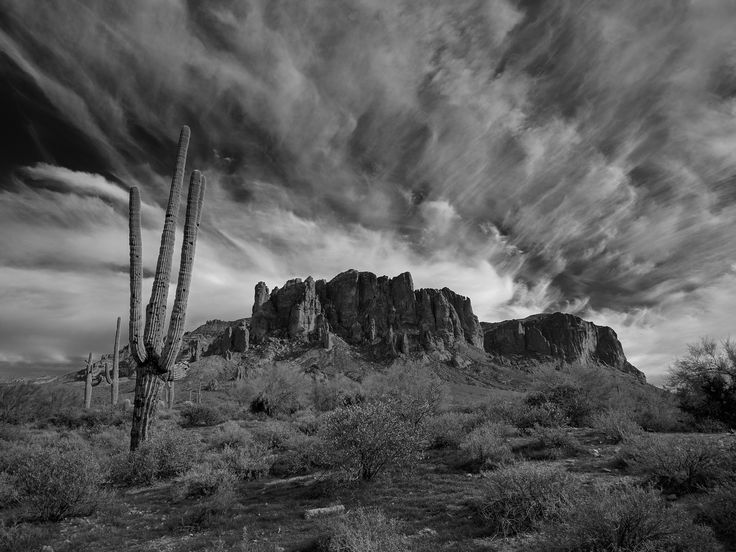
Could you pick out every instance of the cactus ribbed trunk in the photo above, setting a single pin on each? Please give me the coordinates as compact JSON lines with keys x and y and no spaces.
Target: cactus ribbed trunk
{"x":136,"y":278}
{"x":155,"y":361}
{"x":171,"y":395}
{"x":179,"y":310}
{"x":115,"y":385}
{"x":147,"y":386}
{"x":156,"y":309}
{"x":88,"y":383}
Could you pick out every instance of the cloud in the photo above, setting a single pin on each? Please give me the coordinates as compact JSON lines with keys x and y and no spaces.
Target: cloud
{"x":532,"y":155}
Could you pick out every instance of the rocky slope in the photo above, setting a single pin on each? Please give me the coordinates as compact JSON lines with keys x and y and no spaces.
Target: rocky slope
{"x":558,"y":336}
{"x":363,"y":308}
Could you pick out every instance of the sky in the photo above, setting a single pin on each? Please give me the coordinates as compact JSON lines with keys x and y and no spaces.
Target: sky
{"x":535,"y":156}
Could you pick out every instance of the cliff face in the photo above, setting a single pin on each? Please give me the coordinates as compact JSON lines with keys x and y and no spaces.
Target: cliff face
{"x":560,"y":336}
{"x":361,"y":307}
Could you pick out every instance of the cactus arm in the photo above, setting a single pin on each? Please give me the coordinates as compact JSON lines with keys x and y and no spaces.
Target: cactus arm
{"x":156,"y":309}
{"x":202,"y":188}
{"x":106,"y":374}
{"x":114,"y":390}
{"x":136,"y":278}
{"x":189,"y":244}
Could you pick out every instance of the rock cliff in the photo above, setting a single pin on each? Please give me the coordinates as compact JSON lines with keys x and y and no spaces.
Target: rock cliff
{"x":363,"y":308}
{"x":558,"y":336}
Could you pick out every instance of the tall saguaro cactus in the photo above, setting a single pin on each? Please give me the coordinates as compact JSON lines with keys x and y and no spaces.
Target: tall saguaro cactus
{"x":155,"y":357}
{"x":114,"y":379}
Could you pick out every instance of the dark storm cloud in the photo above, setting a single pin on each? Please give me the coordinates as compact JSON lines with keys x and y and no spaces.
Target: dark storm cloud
{"x":534,"y":155}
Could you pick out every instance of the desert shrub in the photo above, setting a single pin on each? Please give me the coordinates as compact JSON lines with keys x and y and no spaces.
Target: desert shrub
{"x":448,"y":429}
{"x":230,"y":434}
{"x":719,"y":511}
{"x":306,"y":422}
{"x":549,"y":443}
{"x":205,"y":480}
{"x":280,"y":390}
{"x":24,"y":537}
{"x":415,"y":393}
{"x":487,"y":445}
{"x":212,"y":511}
{"x":247,"y":462}
{"x":572,"y":400}
{"x":9,"y":494}
{"x":626,"y":518}
{"x":364,"y":439}
{"x":662,"y":417}
{"x":165,"y":455}
{"x":276,"y":434}
{"x":302,"y":456}
{"x":520,"y":497}
{"x":545,"y":414}
{"x":28,"y":402}
{"x":193,"y":415}
{"x":335,"y":392}
{"x":55,"y":481}
{"x":679,"y":464}
{"x":704,"y":380}
{"x":365,"y":530}
{"x":615,"y":425}
{"x":95,"y":419}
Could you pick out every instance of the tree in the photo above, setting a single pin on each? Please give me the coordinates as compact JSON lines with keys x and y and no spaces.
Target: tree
{"x":154,"y":356}
{"x":704,"y":380}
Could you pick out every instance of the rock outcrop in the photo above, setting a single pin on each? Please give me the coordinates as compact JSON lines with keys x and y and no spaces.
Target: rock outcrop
{"x":363,"y":308}
{"x":558,"y":336}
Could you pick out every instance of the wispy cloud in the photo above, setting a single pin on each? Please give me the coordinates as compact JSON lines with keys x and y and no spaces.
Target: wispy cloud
{"x":532,"y":155}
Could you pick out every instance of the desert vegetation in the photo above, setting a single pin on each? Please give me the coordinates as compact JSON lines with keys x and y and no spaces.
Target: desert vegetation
{"x":397,"y":460}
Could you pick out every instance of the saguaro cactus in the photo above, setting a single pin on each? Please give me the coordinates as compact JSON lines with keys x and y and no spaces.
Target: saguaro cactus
{"x":155,"y":357}
{"x":114,"y":379}
{"x":88,"y":383}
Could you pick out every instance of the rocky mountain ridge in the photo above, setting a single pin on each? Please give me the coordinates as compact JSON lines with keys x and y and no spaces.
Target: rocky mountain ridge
{"x":365,"y":309}
{"x":389,"y":318}
{"x":559,"y":336}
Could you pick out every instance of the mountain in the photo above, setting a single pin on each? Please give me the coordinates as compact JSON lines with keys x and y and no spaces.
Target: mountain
{"x":365,"y":309}
{"x":358,"y":318}
{"x":558,"y":336}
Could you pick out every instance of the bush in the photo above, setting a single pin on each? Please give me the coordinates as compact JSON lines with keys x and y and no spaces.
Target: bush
{"x":97,"y":419}
{"x":335,"y":392}
{"x":231,"y":434}
{"x":704,"y":381}
{"x":572,"y":400}
{"x":719,"y":511}
{"x":275,"y":434}
{"x":24,"y":536}
{"x":545,"y":414}
{"x":415,"y":393}
{"x":364,"y":530}
{"x":549,"y":443}
{"x":247,"y":463}
{"x":365,"y":439}
{"x":166,"y":455}
{"x":28,"y":402}
{"x":450,"y":428}
{"x":487,"y":445}
{"x":679,"y":464}
{"x":281,"y":390}
{"x":57,"y":481}
{"x":626,"y":518}
{"x":213,"y":511}
{"x":615,"y":425}
{"x":194,"y":415}
{"x":520,"y":497}
{"x":203,"y":481}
